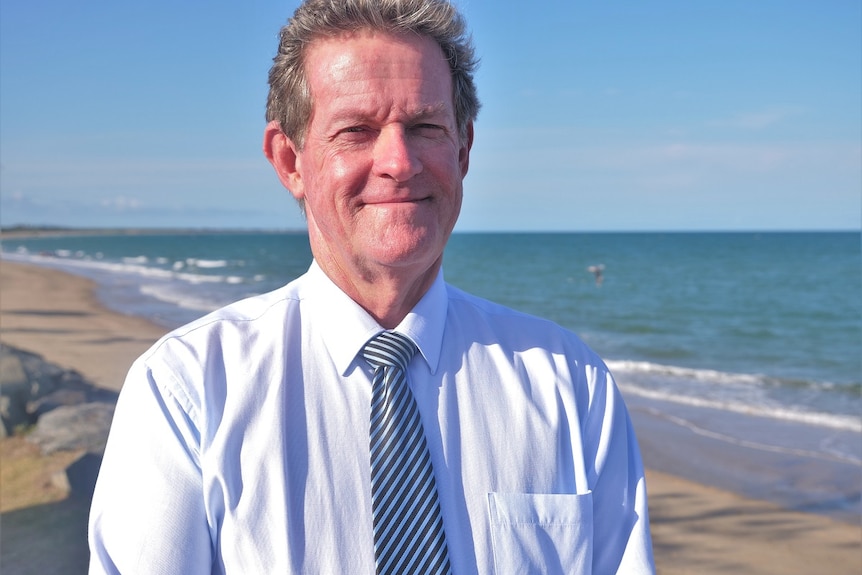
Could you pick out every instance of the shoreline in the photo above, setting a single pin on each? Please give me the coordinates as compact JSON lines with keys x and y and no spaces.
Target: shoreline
{"x":695,"y":528}
{"x":785,"y":463}
{"x":58,"y":316}
{"x":37,"y":232}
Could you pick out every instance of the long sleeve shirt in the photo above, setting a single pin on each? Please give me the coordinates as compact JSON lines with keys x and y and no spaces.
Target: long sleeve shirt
{"x":240,"y":443}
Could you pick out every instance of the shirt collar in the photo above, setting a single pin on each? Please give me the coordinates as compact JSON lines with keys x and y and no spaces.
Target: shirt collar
{"x":346,"y":327}
{"x":425,"y":322}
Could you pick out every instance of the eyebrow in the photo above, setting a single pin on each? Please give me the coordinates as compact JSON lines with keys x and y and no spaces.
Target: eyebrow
{"x":350,"y":115}
{"x":430,"y":110}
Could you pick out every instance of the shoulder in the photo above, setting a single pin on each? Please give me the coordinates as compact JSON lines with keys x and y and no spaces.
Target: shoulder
{"x":524,"y":352}
{"x":200,"y":359}
{"x":246,"y":313}
{"x":229,"y":331}
{"x":510,"y":329}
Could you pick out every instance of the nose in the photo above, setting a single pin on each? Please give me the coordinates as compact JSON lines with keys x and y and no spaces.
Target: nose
{"x":394,"y":156}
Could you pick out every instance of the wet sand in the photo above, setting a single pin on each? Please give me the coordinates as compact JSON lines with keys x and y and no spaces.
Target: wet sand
{"x":696,"y":529}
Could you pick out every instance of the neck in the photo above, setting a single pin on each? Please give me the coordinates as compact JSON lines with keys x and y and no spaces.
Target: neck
{"x":387,"y":294}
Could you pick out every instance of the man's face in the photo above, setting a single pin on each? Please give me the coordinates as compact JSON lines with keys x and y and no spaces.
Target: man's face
{"x":381,"y":169}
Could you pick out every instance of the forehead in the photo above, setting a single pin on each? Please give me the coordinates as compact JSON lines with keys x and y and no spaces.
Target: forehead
{"x":373,"y":65}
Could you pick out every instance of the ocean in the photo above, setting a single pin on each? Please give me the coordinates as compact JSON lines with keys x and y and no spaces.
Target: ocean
{"x":746,"y":339}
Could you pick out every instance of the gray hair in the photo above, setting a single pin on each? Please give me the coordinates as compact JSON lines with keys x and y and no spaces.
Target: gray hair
{"x":289,"y":101}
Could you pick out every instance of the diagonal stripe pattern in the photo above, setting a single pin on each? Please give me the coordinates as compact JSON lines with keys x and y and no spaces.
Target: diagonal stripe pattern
{"x":408,"y":526}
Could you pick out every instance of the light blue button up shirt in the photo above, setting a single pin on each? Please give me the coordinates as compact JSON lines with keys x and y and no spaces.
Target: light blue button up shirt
{"x":240,"y":443}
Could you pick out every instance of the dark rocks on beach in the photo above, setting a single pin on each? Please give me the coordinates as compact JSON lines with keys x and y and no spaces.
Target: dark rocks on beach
{"x":74,"y":427}
{"x":61,"y":411}
{"x":23,"y":377}
{"x":31,"y":387}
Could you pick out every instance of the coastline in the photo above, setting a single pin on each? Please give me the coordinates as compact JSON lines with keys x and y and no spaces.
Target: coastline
{"x":58,"y":316}
{"x":695,"y":528}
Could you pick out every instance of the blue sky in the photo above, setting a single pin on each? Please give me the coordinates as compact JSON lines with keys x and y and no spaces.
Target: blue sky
{"x":658,"y":115}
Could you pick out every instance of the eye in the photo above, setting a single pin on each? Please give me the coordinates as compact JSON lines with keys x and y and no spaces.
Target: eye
{"x":354,"y":134}
{"x":429,"y":130}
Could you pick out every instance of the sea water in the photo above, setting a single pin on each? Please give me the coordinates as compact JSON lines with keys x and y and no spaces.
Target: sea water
{"x":730,"y":328}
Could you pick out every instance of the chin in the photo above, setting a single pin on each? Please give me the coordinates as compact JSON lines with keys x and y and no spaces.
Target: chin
{"x":407,"y":251}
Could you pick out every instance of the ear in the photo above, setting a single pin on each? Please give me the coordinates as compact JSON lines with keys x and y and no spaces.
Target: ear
{"x":464,"y":151}
{"x":283,"y":155}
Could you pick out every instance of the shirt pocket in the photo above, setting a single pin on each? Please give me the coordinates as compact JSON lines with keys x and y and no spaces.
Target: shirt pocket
{"x":541,"y":533}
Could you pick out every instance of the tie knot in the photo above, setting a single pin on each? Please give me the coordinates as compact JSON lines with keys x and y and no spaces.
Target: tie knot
{"x":389,"y":348}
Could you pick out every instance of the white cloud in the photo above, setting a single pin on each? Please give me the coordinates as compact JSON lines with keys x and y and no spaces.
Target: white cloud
{"x":551,"y":180}
{"x":758,"y":120}
{"x":121,"y":203}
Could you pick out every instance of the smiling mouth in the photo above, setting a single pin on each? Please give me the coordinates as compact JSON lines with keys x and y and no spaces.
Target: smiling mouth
{"x":398,"y":201}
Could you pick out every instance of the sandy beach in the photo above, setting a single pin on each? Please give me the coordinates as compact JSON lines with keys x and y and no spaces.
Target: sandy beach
{"x":696,"y":529}
{"x":58,"y":316}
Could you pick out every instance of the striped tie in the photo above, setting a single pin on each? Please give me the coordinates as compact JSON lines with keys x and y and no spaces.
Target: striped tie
{"x":408,"y":527}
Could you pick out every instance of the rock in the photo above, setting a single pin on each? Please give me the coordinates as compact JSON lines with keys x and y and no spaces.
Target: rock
{"x":73,"y":427}
{"x":54,"y":400}
{"x":42,"y":377}
{"x":31,"y":387}
{"x":14,"y":392}
{"x":11,"y":370}
{"x":10,"y":418}
{"x":23,"y":377}
{"x":69,"y":413}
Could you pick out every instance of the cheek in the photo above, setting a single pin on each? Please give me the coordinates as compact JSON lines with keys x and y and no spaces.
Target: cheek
{"x":455,"y":207}
{"x":451,"y":175}
{"x":324,"y":185}
{"x":338,"y":170}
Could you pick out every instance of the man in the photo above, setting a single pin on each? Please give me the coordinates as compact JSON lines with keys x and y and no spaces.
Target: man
{"x":250,"y":440}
